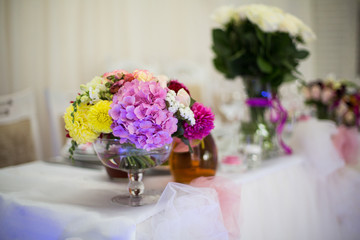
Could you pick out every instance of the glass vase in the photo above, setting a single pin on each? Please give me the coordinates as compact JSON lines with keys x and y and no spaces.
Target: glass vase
{"x":186,"y":166}
{"x":134,"y":161}
{"x":258,"y":125}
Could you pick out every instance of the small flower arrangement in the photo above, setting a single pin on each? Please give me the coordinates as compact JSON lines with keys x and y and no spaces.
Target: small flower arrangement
{"x":137,"y":108}
{"x":336,"y":100}
{"x":348,"y":111}
{"x":324,"y":96}
{"x":259,"y":40}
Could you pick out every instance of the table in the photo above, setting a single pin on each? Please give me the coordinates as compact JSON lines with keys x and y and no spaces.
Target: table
{"x":43,"y":200}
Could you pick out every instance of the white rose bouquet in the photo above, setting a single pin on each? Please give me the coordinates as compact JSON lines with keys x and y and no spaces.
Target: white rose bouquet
{"x":261,"y":44}
{"x":259,"y":41}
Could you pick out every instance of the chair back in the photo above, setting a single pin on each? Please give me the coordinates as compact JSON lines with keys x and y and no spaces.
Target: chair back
{"x":20,"y":136}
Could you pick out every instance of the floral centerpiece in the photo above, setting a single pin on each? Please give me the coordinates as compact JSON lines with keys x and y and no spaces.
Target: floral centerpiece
{"x":131,"y":119}
{"x":138,"y":109}
{"x":262,"y":45}
{"x":335,"y":100}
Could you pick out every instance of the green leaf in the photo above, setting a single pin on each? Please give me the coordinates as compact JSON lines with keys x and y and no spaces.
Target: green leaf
{"x":187,"y":142}
{"x":260,"y":35}
{"x":220,"y":65}
{"x":237,"y":55}
{"x":180,"y":130}
{"x":221,"y":42}
{"x":302,"y":54}
{"x":219,"y":35}
{"x":221,"y":50}
{"x":289,"y":77}
{"x":192,"y":101}
{"x":264,"y":65}
{"x":288,"y":65}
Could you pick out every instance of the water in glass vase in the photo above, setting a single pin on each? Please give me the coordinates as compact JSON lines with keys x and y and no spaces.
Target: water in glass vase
{"x":186,"y":166}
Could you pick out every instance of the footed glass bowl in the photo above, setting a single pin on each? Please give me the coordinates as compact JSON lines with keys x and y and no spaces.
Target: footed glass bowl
{"x":134,"y":161}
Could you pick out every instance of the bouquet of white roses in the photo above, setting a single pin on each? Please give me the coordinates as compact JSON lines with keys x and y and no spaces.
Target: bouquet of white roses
{"x":259,"y":41}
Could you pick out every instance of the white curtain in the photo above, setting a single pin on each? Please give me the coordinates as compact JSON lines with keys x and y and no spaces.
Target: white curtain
{"x":62,"y":43}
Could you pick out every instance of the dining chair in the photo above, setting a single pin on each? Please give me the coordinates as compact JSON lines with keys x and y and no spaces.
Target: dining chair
{"x":20,"y":136}
{"x":57,"y":101}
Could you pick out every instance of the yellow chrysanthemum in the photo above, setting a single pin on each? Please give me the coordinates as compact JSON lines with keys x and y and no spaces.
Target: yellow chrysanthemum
{"x":98,"y":117}
{"x":79,"y":130}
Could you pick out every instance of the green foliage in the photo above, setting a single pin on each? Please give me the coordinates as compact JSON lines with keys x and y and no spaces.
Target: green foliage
{"x":72,"y":148}
{"x":180,"y":134}
{"x":245,"y":50}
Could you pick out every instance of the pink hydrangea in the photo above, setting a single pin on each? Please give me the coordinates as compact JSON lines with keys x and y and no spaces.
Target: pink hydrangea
{"x":204,"y":122}
{"x":140,"y":115}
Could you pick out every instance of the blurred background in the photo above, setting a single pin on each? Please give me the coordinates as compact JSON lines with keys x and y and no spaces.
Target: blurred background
{"x":55,"y":45}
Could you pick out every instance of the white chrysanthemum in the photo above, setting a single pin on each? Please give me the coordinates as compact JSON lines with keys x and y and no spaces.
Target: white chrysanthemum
{"x":171,"y":99}
{"x":175,"y":106}
{"x":187,"y":114}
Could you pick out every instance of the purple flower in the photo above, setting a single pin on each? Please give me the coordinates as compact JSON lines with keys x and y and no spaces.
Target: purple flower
{"x":204,"y":122}
{"x":140,"y":115}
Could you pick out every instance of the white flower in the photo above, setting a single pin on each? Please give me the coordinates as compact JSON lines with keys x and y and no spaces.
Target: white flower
{"x":187,"y":114}
{"x":183,"y":97}
{"x":163,"y":80}
{"x":290,"y":24}
{"x":225,"y":14}
{"x":85,"y":99}
{"x":171,"y":99}
{"x":306,"y":33}
{"x":94,"y":82}
{"x":267,"y":18}
{"x":94,"y":95}
{"x":177,"y":107}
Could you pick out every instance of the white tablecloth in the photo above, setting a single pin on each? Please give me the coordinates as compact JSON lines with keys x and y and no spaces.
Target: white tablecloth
{"x":49,"y":201}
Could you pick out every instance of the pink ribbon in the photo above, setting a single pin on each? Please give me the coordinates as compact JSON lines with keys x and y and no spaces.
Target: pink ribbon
{"x":346,"y":142}
{"x":278,"y":115}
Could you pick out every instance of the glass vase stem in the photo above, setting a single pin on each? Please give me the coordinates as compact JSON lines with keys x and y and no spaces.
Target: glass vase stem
{"x":136,"y":186}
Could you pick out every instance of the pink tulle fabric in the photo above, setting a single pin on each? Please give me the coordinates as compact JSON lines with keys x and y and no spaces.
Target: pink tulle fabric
{"x":229,"y":198}
{"x":347,"y":143}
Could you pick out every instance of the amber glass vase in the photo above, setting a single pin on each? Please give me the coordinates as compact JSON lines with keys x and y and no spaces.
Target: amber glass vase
{"x":186,"y":166}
